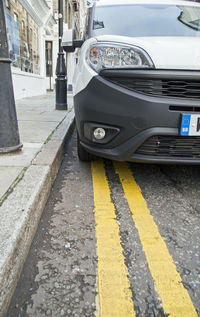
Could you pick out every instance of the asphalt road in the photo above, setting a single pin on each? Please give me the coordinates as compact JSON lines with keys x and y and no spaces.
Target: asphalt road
{"x":115,"y":240}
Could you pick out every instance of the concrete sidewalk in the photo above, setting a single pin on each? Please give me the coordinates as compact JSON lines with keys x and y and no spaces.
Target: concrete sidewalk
{"x":26,"y":180}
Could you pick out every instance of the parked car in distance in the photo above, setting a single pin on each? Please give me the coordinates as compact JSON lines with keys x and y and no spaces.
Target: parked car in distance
{"x":137,"y":81}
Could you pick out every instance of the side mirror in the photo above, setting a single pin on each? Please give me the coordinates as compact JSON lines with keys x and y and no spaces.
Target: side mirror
{"x":69,"y":43}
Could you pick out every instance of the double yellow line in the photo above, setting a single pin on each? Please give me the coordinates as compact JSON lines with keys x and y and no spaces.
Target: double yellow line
{"x":115,"y":296}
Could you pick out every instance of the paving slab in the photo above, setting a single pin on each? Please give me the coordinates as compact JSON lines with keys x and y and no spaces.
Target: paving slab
{"x":39,"y":115}
{"x":46,"y":101}
{"x":36,"y":131}
{"x":22,"y":157}
{"x":7,"y":176}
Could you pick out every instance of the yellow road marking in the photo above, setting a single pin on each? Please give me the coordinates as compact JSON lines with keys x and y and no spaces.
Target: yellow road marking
{"x":115,"y":296}
{"x":175,"y":298}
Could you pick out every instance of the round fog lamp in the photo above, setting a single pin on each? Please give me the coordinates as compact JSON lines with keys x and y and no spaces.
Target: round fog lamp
{"x":99,"y":133}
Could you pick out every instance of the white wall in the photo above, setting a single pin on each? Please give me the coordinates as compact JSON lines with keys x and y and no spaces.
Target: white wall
{"x":27,"y":84}
{"x":70,"y":69}
{"x":42,"y":51}
{"x":54,"y":39}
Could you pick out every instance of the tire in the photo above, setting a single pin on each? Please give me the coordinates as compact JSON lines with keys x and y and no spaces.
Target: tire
{"x":83,"y":155}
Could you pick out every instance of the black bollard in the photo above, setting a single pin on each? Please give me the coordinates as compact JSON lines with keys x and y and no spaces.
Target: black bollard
{"x":9,"y":133}
{"x":61,"y":83}
{"x":61,"y":70}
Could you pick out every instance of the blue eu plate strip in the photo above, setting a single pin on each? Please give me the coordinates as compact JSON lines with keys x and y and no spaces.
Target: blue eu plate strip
{"x":185,"y":124}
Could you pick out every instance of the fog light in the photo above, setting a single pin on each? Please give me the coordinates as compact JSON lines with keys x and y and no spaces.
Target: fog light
{"x":99,"y":133}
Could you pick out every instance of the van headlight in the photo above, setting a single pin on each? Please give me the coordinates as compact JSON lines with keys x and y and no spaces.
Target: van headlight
{"x":108,"y":55}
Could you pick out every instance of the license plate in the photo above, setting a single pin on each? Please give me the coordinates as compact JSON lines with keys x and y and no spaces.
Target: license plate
{"x":190,"y":125}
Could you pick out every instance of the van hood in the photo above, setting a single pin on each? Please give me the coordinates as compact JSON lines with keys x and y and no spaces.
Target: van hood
{"x":177,"y":53}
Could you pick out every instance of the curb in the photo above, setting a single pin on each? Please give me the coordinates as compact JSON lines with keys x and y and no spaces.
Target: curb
{"x":21,"y":211}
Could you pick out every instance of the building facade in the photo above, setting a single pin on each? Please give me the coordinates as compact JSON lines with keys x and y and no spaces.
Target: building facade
{"x":75,"y":13}
{"x":32,"y":28}
{"x":74,"y":18}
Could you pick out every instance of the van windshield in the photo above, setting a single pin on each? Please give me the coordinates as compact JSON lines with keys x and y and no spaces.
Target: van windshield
{"x":141,"y":20}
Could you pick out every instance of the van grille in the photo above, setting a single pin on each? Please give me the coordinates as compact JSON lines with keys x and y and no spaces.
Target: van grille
{"x":161,"y":87}
{"x":171,"y":146}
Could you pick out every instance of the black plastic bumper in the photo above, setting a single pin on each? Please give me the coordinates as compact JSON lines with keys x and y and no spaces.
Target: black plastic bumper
{"x":136,"y":116}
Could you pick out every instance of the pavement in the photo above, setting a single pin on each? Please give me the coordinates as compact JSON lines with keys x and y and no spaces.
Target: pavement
{"x":26,"y":178}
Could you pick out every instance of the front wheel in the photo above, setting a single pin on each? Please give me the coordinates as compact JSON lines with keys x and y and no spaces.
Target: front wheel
{"x":83,"y":155}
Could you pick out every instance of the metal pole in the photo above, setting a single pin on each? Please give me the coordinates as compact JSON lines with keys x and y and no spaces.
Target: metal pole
{"x":61,"y":71}
{"x":9,"y":134}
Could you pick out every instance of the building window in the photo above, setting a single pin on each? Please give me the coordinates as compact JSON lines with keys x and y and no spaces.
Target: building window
{"x":31,"y":35}
{"x":15,"y":17}
{"x":56,"y":14}
{"x":49,"y":51}
{"x":8,"y":4}
{"x":23,"y":28}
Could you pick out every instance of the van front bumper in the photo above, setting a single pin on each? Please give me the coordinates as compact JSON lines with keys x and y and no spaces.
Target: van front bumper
{"x":139,"y":126}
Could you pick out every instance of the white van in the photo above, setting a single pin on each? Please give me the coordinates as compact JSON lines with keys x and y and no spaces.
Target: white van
{"x":137,"y":81}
